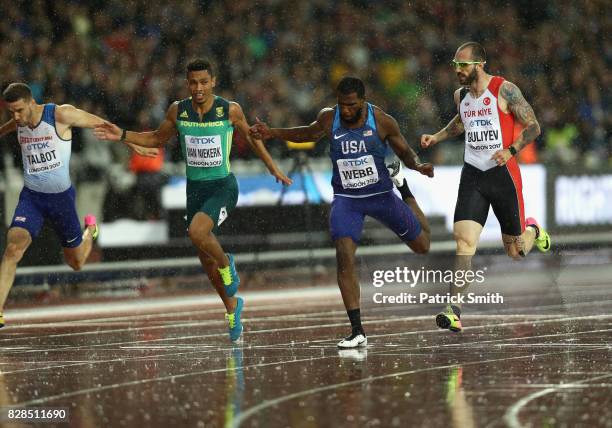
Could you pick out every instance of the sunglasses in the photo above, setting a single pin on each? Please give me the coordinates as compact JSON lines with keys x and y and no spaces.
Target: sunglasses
{"x":463,"y":64}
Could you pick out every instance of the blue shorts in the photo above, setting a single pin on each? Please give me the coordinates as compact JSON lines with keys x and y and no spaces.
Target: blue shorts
{"x":59,"y":208}
{"x":347,"y":215}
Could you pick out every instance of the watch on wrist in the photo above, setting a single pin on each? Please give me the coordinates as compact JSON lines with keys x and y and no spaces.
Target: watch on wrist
{"x":512,"y":150}
{"x":123,"y":136}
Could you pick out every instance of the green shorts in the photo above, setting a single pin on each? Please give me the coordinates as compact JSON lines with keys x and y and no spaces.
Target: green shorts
{"x":215,"y":198}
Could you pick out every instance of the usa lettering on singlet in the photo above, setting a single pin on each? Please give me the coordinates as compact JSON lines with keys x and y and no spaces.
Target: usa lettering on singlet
{"x":358,"y":157}
{"x":45,"y":156}
{"x":487,"y":128}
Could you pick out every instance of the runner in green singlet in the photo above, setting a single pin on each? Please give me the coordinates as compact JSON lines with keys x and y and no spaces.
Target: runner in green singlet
{"x":205,"y":124}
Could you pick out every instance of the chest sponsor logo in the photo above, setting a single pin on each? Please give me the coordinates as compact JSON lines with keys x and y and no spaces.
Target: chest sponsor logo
{"x":40,"y":154}
{"x":203,"y":152}
{"x":480,"y":122}
{"x":357,"y":173}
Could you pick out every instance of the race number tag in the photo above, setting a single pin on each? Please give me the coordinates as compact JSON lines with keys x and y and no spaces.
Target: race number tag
{"x":203,"y":152}
{"x":357,"y":173}
{"x":40,"y":157}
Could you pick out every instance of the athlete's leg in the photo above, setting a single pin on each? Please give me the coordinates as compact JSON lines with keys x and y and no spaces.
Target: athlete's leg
{"x":202,"y":237}
{"x":17,"y":242}
{"x":346,"y":223}
{"x":402,"y":218}
{"x":396,"y":173}
{"x":422,"y":242}
{"x":211,"y":267}
{"x":208,"y":205}
{"x":466,"y":234}
{"x":518,"y":247}
{"x":347,"y":273}
{"x":470,"y":217}
{"x":26,"y":225}
{"x":76,"y":257}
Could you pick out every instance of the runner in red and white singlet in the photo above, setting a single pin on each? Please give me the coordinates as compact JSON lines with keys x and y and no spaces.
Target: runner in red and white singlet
{"x":487,"y":109}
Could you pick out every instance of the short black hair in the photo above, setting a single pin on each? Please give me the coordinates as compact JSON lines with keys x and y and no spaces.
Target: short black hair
{"x":350,"y":84}
{"x":201,"y":64}
{"x":17,"y":91}
{"x":477,"y":51}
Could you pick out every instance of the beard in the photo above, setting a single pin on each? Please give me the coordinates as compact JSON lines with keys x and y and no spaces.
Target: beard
{"x":354,"y":119}
{"x":467,"y":80}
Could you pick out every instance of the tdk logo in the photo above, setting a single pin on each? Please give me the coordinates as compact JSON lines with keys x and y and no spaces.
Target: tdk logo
{"x":203,"y":140}
{"x":37,"y":146}
{"x":481,"y":122}
{"x":355,"y":162}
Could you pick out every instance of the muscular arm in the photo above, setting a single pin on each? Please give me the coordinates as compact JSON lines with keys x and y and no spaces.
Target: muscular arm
{"x":239,"y":122}
{"x":71,"y":116}
{"x":157,"y":138}
{"x":110,"y":132}
{"x":8,"y":127}
{"x":392,"y":133}
{"x":301,"y":134}
{"x":522,"y":112}
{"x":454,"y":128}
{"x":396,"y":140}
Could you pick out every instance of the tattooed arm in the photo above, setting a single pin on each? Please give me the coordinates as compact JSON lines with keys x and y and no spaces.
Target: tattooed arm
{"x":522,"y":112}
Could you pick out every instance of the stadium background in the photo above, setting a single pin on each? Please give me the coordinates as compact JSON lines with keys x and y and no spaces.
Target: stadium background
{"x":125,"y":62}
{"x":133,"y":342}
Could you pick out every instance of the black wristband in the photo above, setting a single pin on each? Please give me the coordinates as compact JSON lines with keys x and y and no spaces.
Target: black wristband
{"x":123,"y":136}
{"x":512,"y":150}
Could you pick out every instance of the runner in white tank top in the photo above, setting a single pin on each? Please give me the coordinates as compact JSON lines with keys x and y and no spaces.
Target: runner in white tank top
{"x":44,"y":132}
{"x":487,"y":108}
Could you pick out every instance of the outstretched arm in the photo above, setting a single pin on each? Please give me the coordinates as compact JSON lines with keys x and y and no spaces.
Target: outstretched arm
{"x":524,"y":114}
{"x":453,"y":129}
{"x":400,"y":146}
{"x":301,"y":134}
{"x":73,"y":117}
{"x":239,"y":121}
{"x":110,"y":132}
{"x":8,"y":127}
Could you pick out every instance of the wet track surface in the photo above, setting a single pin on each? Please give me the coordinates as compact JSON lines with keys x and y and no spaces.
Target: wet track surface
{"x":544,"y":364}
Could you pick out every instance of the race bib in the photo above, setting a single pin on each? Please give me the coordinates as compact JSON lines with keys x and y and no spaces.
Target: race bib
{"x":357,"y":173}
{"x":203,"y":152}
{"x":40,"y":157}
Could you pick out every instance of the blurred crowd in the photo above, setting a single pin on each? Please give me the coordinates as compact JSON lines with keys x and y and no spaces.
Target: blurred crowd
{"x":280,"y":59}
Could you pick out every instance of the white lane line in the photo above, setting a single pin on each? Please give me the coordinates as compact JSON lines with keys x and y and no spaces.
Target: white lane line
{"x":173,"y":378}
{"x":284,"y":345}
{"x":511,"y":417}
{"x":169,"y":325}
{"x":56,"y":348}
{"x":281,"y":346}
{"x":163,"y":304}
{"x":276,"y":401}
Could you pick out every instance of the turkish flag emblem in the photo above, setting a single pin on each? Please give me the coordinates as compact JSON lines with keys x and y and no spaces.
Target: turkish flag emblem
{"x":486,"y":101}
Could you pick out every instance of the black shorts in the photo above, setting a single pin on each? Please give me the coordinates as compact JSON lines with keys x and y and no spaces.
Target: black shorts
{"x":499,"y":187}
